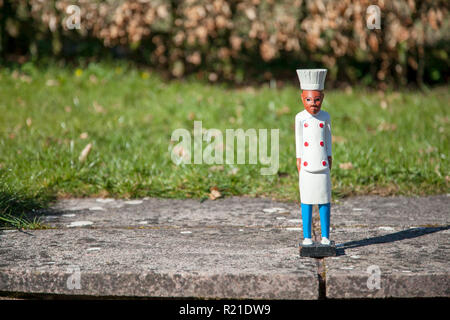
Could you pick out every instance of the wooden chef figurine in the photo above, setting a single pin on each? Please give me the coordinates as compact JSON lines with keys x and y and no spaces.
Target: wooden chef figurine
{"x":313,"y":149}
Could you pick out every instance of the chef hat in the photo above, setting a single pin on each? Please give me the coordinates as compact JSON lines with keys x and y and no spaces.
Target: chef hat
{"x":312,"y":79}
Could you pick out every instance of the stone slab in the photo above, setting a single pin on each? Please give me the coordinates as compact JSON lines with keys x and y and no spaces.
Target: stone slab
{"x":225,"y":255}
{"x":392,"y":211}
{"x":117,"y":213}
{"x":230,"y":248}
{"x":406,"y":241}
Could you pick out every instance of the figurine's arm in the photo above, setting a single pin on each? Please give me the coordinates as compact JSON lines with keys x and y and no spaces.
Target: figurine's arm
{"x":328,"y":139}
{"x":298,"y":141}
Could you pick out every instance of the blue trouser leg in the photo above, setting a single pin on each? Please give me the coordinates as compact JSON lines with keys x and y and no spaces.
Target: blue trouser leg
{"x":324,"y":210}
{"x":306,"y":218}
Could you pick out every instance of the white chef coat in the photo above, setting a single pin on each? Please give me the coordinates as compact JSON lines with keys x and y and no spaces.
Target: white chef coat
{"x":313,"y":146}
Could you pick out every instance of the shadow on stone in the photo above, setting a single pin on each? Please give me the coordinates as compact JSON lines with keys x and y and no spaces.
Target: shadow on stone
{"x":392,"y":237}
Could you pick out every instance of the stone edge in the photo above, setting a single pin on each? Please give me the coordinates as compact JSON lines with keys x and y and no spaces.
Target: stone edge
{"x":390,"y":286}
{"x":164,"y":285}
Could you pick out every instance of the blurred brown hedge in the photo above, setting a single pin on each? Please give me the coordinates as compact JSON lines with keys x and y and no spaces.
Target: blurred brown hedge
{"x":237,"y":39}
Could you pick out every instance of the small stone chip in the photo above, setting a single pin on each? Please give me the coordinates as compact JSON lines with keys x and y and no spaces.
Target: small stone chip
{"x":133,"y":202}
{"x":106,"y":200}
{"x":97,"y":209}
{"x":386,"y":228}
{"x":80,"y":224}
{"x":274,"y":210}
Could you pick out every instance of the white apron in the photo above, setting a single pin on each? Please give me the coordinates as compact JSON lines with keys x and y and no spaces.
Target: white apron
{"x":315,"y":188}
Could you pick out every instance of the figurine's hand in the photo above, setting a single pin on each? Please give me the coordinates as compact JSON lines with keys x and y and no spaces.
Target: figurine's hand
{"x":330,"y":161}
{"x":299,"y":164}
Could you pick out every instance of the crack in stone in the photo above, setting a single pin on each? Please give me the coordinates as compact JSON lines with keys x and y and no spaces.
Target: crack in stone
{"x":321,"y":269}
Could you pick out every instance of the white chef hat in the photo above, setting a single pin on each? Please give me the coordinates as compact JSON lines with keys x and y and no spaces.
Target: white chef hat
{"x":312,"y":79}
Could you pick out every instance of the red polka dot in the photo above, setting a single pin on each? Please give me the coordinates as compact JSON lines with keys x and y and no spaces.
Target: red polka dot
{"x":324,"y":163}
{"x":305,"y":163}
{"x":306,"y":144}
{"x":321,"y":125}
{"x":321,"y":143}
{"x":305,"y":125}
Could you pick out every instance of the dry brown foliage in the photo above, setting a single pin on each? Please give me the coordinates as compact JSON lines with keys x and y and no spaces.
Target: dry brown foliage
{"x":224,"y":36}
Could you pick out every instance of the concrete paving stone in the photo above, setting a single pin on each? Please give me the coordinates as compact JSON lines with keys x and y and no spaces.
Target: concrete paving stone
{"x":190,"y":257}
{"x":251,"y":212}
{"x":405,"y":240}
{"x":235,"y":247}
{"x":391,"y":211}
{"x":410,"y":263}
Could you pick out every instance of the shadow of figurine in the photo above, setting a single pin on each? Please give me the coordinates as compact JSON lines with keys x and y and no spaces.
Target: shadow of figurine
{"x":392,"y":237}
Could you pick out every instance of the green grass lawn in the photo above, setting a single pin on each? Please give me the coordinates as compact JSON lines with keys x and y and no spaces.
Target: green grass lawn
{"x":384,"y":142}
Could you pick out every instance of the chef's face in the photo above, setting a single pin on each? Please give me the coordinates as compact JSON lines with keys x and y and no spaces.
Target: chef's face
{"x":312,"y":100}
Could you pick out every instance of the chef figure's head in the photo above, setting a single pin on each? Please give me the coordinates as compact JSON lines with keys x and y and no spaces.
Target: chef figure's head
{"x":312,"y":84}
{"x":312,"y":100}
